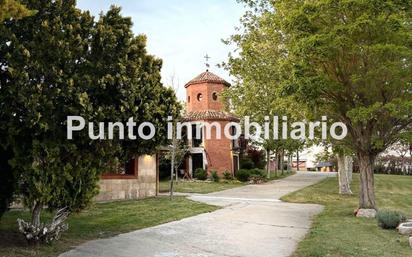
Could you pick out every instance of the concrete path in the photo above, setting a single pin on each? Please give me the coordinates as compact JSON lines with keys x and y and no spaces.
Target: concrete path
{"x":253,"y":222}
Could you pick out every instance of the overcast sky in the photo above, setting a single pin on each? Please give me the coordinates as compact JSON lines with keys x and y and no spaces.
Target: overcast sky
{"x":180,"y":32}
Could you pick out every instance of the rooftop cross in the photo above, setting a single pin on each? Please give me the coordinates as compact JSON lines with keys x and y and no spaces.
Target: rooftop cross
{"x":207,"y":57}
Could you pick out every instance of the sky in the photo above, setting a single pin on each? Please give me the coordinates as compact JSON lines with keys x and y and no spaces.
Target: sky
{"x":180,"y":32}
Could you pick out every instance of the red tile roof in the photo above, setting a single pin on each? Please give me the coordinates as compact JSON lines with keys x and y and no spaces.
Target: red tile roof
{"x":210,"y":115}
{"x":207,"y":77}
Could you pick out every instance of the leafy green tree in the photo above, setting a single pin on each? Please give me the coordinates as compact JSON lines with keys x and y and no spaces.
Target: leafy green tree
{"x":258,"y":72}
{"x":13,"y":9}
{"x":355,"y":58}
{"x":349,"y":60}
{"x":8,"y":9}
{"x":60,"y":62}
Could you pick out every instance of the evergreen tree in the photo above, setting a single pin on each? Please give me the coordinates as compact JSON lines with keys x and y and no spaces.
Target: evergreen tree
{"x":60,"y":62}
{"x":13,"y":9}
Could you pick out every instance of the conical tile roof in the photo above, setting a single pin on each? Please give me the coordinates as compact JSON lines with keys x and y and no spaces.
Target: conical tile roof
{"x":207,"y":77}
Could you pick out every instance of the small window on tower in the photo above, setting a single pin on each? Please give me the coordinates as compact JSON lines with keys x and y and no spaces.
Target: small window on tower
{"x":214,"y":96}
{"x":188,"y":99}
{"x":199,"y":97}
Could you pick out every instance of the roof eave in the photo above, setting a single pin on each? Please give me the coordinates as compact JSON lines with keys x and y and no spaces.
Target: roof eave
{"x":227,"y":84}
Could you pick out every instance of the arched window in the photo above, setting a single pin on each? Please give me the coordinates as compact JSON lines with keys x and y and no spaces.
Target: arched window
{"x":199,"y":97}
{"x":214,"y":96}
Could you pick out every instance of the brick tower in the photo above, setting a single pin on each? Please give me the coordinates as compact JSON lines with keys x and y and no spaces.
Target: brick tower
{"x":203,"y":104}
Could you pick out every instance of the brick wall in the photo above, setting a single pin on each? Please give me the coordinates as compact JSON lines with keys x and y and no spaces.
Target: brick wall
{"x":192,"y":92}
{"x":219,"y":152}
{"x":207,"y":102}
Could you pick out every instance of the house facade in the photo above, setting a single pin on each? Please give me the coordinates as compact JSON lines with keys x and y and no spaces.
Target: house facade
{"x":204,"y":105}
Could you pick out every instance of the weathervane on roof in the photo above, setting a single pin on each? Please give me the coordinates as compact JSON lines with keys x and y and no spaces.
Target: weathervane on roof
{"x":207,"y":57}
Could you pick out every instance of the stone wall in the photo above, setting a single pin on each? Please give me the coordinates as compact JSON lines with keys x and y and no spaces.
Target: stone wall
{"x":142,"y":184}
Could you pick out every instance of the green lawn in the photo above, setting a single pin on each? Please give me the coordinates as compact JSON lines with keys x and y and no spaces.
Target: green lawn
{"x":337,"y":233}
{"x":99,"y":221}
{"x":204,"y":187}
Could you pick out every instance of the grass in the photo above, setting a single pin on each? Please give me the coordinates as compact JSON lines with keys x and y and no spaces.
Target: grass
{"x":99,"y":221}
{"x":337,"y":233}
{"x":204,"y":187}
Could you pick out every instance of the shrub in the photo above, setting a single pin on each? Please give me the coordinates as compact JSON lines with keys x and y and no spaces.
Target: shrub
{"x":227,"y":175}
{"x":257,"y":156}
{"x":243,"y":175}
{"x":247,"y":164}
{"x":388,"y":219}
{"x":257,"y":179}
{"x":200,"y":174}
{"x":214,"y":176}
{"x":258,"y":172}
{"x":257,"y":176}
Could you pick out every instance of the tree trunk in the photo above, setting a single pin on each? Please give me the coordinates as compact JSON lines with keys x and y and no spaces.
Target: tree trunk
{"x":367,"y":191}
{"x":35,"y":214}
{"x":350,"y":169}
{"x":297,"y":160}
{"x":343,"y":173}
{"x":177,"y":174}
{"x":276,"y":164}
{"x":36,"y":223}
{"x":282,"y":159}
{"x":288,"y":163}
{"x":268,"y":163}
{"x":171,"y":171}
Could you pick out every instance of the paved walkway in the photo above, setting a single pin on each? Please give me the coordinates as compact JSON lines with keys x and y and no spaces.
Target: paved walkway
{"x":253,"y":222}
